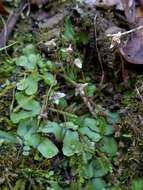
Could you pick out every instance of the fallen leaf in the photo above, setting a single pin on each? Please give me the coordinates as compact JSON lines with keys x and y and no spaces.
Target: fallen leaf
{"x":129,"y":7}
{"x":132,"y":50}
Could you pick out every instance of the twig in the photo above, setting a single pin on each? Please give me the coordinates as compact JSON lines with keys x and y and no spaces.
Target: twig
{"x":5,"y":28}
{"x":98,"y":53}
{"x":8,"y":46}
{"x":138,"y":92}
{"x":11,"y":22}
{"x":125,"y":33}
{"x":80,"y":90}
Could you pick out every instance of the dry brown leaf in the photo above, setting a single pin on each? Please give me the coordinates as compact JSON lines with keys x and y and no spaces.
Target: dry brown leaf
{"x":132,"y":51}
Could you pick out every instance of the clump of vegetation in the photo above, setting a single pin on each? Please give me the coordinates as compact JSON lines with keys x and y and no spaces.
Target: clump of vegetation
{"x":54,"y":133}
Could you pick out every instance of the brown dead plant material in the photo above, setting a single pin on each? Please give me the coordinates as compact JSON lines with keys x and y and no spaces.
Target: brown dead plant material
{"x":132,"y":49}
{"x":3,"y":10}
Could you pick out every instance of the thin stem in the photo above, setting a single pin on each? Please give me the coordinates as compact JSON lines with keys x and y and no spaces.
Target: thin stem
{"x":127,"y":32}
{"x":62,"y":112}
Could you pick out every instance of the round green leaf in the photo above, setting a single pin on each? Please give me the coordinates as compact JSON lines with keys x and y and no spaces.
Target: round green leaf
{"x":7,"y":137}
{"x":53,"y":127}
{"x":69,"y":125}
{"x":91,"y":134}
{"x":33,"y":140}
{"x":90,"y":90}
{"x":22,"y":85}
{"x":49,"y":78}
{"x":101,"y":167}
{"x":105,"y":128}
{"x":31,"y":108}
{"x":109,"y":146}
{"x":29,"y":49}
{"x":96,"y":184}
{"x":69,"y":33}
{"x":91,"y":123}
{"x":28,"y":62}
{"x":113,"y":118}
{"x":88,"y":171}
{"x":29,"y":85}
{"x":71,"y":143}
{"x":109,"y":130}
{"x":22,"y":61}
{"x":16,"y":117}
{"x":27,"y":103}
{"x":27,"y":128}
{"x":32,"y":60}
{"x":47,"y":148}
{"x":32,"y":86}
